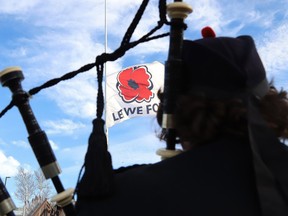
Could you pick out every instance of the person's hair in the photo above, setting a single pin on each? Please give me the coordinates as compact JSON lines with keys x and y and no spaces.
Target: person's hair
{"x":199,"y":119}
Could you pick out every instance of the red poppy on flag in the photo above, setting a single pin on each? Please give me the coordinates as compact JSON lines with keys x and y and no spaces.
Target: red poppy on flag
{"x":134,"y":84}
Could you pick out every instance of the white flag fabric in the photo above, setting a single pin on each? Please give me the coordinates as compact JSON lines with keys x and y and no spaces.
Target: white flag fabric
{"x":132,"y":92}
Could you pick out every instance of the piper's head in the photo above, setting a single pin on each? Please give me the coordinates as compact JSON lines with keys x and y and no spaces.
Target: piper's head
{"x":218,"y":76}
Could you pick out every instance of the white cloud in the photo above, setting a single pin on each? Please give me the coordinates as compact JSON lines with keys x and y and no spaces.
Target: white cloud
{"x":136,"y":151}
{"x":2,"y":142}
{"x":76,"y":98}
{"x":54,"y":146}
{"x":230,"y":17}
{"x":274,"y":50}
{"x":115,"y":13}
{"x":72,"y":170}
{"x":63,"y":126}
{"x":70,"y":35}
{"x":55,"y":54}
{"x":28,"y":168}
{"x":16,"y":7}
{"x":8,"y":165}
{"x":69,"y":14}
{"x":73,"y":155}
{"x":207,"y":12}
{"x":20,"y":143}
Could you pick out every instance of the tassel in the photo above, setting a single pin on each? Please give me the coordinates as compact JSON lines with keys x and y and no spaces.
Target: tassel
{"x":97,"y":180}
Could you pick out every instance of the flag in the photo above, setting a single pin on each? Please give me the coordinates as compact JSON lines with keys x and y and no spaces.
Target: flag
{"x":132,"y":92}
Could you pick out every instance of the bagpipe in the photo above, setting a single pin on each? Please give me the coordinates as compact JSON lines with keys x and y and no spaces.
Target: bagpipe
{"x":6,"y":203}
{"x":12,"y":77}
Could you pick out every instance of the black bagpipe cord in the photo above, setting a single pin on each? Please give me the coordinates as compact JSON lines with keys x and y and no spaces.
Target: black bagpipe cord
{"x":105,"y":57}
{"x":97,"y":180}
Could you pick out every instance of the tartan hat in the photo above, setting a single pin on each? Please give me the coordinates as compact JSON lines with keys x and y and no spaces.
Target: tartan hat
{"x":223,"y":66}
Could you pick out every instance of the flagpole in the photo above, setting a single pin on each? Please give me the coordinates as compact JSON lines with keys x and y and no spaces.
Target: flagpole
{"x":105,"y":66}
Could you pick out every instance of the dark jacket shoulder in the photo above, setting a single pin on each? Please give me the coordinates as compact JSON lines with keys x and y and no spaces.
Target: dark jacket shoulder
{"x":214,"y":179}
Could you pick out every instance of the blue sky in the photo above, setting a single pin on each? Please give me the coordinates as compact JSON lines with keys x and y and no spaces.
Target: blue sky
{"x":50,"y":38}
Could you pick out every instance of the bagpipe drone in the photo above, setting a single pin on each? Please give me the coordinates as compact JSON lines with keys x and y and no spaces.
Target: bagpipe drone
{"x":97,"y":166}
{"x":6,"y":203}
